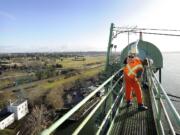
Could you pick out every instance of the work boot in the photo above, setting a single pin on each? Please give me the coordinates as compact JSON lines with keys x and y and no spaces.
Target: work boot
{"x":142,"y":107}
{"x":129,"y":103}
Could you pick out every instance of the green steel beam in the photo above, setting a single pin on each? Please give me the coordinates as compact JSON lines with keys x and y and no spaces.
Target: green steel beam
{"x":109,"y":47}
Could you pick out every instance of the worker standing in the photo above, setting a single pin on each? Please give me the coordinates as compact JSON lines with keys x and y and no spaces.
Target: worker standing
{"x":132,"y":73}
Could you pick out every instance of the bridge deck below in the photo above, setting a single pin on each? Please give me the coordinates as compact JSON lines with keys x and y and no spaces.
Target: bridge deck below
{"x":130,"y":121}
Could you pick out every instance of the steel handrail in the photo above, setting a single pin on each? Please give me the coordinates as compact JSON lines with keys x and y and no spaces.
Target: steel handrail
{"x":164,"y":109}
{"x":78,"y":129}
{"x":109,"y":112}
{"x":116,"y":114}
{"x":55,"y":125}
{"x":154,"y":102}
{"x":159,"y":90}
{"x":174,"y":111}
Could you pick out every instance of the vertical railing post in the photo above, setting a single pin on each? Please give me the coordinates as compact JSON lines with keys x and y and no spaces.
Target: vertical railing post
{"x":109,"y":46}
{"x":111,"y":85}
{"x":107,"y":88}
{"x":159,"y":105}
{"x":158,"y":97}
{"x":160,"y":75}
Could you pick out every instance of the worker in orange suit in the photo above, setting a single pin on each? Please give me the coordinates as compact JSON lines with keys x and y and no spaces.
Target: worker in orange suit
{"x":132,"y":73}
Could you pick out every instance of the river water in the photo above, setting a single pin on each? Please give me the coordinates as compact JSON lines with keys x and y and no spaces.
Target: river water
{"x":171,"y":75}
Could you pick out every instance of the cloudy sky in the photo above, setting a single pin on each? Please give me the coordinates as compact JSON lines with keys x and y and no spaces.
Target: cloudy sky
{"x":82,"y":25}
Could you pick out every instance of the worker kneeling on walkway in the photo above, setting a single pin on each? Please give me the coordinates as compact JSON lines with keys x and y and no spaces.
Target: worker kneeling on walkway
{"x":132,"y":74}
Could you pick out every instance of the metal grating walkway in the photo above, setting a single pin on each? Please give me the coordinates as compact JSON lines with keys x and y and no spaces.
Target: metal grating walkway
{"x":130,"y":121}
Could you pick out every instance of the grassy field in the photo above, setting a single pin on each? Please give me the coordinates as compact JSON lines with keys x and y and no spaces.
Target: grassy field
{"x":8,"y":78}
{"x":13,"y":73}
{"x":70,"y":63}
{"x":52,"y":89}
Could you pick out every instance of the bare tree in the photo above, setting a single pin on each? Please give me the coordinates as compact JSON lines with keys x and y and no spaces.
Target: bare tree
{"x":38,"y":120}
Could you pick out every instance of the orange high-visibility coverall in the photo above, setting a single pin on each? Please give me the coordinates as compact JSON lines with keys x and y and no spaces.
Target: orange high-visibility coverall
{"x":131,"y":81}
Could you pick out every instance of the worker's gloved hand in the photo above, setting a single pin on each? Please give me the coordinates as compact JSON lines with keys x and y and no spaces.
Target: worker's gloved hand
{"x":139,"y":74}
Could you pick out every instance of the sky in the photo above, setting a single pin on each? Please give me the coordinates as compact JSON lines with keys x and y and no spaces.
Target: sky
{"x":82,"y":25}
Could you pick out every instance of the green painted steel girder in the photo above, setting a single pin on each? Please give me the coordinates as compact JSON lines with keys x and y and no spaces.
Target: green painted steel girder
{"x":109,"y":46}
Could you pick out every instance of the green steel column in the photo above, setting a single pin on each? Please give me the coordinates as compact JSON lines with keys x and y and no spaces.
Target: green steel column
{"x":109,"y":46}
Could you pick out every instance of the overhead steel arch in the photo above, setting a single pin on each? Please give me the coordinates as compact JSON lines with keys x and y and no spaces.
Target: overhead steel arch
{"x":145,"y":50}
